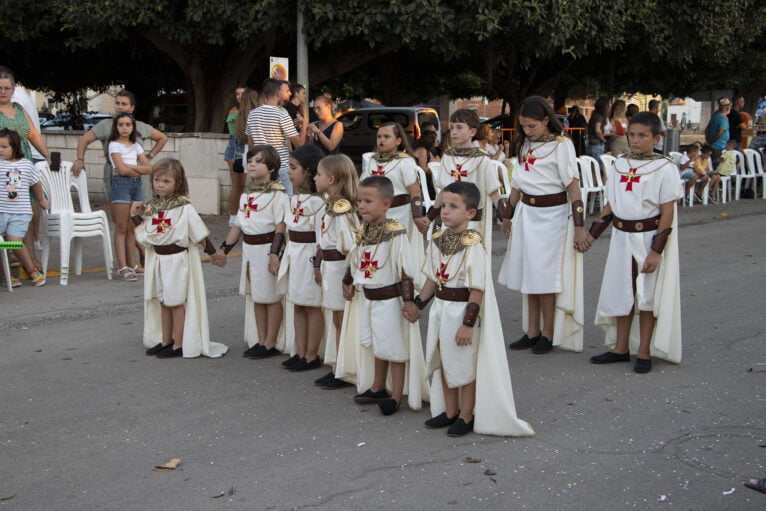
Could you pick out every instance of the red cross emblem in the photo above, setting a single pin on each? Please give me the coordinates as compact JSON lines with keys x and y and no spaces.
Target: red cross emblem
{"x":459,"y":173}
{"x":249,"y":206}
{"x":630,"y":179}
{"x":368,"y":265}
{"x":161,"y":222}
{"x":441,"y":273}
{"x":379,"y":172}
{"x":529,"y":160}
{"x":297,"y":213}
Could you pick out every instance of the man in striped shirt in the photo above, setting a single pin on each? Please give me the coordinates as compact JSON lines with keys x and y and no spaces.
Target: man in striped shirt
{"x":271,"y":124}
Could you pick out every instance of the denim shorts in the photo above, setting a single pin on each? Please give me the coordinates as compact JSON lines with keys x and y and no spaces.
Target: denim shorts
{"x":126,"y":190}
{"x":14,"y":224}
{"x":234,"y":149}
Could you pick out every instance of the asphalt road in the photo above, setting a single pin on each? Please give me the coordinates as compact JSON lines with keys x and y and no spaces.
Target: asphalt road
{"x":85,"y":415}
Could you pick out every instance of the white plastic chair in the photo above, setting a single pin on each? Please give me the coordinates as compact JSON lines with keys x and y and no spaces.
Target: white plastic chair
{"x":590,"y":182}
{"x":6,"y":267}
{"x":63,"y":222}
{"x":744,"y":175}
{"x":608,"y":161}
{"x":502,"y":170}
{"x":754,"y":163}
{"x":428,"y":201}
{"x":435,"y":167}
{"x":366,"y":157}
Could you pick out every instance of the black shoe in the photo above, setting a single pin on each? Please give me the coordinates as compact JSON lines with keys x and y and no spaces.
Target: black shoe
{"x":263,"y":352}
{"x":368,"y":396}
{"x":610,"y":357}
{"x":643,"y":365}
{"x":169,"y":352}
{"x":460,"y":428}
{"x":334,"y":383}
{"x":388,"y":406}
{"x":290,"y":361}
{"x":251,"y":350}
{"x":544,"y":345}
{"x":320,"y":381}
{"x":524,"y":343}
{"x":305,"y":365}
{"x":156,"y":349}
{"x":440,"y":421}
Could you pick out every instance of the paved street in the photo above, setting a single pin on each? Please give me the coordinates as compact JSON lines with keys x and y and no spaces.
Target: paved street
{"x":86,"y":415}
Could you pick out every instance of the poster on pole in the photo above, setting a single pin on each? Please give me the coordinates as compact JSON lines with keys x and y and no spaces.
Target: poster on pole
{"x":278,"y":67}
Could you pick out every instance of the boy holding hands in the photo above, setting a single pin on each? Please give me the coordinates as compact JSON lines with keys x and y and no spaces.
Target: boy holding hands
{"x":381,"y":265}
{"x":463,"y":353}
{"x":641,"y":272}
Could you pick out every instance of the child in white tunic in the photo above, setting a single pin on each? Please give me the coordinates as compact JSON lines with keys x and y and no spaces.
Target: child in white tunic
{"x":541,"y":260}
{"x":260,"y":220}
{"x":381,"y":266}
{"x":465,"y":356}
{"x":393,"y":159}
{"x":641,"y":272}
{"x":296,"y":271}
{"x":175,"y":308}
{"x":337,"y":179}
{"x":465,"y":163}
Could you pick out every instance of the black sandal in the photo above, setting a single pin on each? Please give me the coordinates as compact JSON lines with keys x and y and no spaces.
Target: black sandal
{"x":760,"y":485}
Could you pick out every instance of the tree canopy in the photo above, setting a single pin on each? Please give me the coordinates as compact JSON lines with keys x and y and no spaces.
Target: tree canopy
{"x":402,"y":52}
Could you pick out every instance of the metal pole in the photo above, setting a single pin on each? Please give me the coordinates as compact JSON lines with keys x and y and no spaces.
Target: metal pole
{"x":303,"y":54}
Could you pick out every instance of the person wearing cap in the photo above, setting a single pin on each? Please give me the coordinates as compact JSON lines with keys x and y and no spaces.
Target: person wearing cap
{"x":736,"y":121}
{"x":717,"y":132}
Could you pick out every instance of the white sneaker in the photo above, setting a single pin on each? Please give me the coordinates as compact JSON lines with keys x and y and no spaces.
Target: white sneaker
{"x":38,"y":245}
{"x":232,"y":218}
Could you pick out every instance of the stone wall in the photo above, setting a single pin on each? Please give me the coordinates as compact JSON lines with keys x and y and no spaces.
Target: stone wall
{"x":200,"y":153}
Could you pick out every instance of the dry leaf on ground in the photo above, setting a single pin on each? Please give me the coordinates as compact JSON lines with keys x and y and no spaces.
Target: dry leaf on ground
{"x":472,"y":460}
{"x":170,"y":465}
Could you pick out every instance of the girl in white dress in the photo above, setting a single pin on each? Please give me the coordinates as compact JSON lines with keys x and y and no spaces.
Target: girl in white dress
{"x":175,"y":308}
{"x":296,"y":271}
{"x":336,"y":178}
{"x":541,"y":261}
{"x":260,"y":220}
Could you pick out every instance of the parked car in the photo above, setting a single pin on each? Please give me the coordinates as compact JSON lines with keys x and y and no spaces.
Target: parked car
{"x":69,"y":122}
{"x":360,"y":127}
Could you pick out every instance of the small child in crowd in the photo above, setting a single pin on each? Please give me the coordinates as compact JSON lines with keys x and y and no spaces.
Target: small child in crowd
{"x":727,"y":163}
{"x":260,"y":220}
{"x":382,"y":266}
{"x":175,"y":303}
{"x":15,"y":206}
{"x":337,"y":179}
{"x":641,"y":272}
{"x":461,"y":351}
{"x":701,"y":168}
{"x":686,"y":168}
{"x":296,"y":271}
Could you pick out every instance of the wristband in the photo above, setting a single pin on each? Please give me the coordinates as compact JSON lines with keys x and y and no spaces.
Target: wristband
{"x":597,"y":228}
{"x":504,"y":209}
{"x":137,"y":220}
{"x":408,"y":290}
{"x":227,"y":248}
{"x":660,"y":239}
{"x":578,"y":213}
{"x":471,"y":314}
{"x":80,"y":159}
{"x":317,"y":259}
{"x":276,"y":243}
{"x":433,"y":212}
{"x":347,"y":278}
{"x":421,"y":304}
{"x":416,"y":203}
{"x":209,"y":248}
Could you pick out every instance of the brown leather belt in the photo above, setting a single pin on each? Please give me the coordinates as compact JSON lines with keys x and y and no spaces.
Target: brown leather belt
{"x":647,"y":224}
{"x":453,"y":294}
{"x":400,"y":200}
{"x":544,"y":201}
{"x":258,"y":239}
{"x":332,"y":255}
{"x":302,"y":236}
{"x":169,"y":249}
{"x":383,"y":293}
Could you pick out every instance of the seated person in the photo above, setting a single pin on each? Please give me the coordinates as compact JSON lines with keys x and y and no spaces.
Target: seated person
{"x":701,"y":169}
{"x":727,"y":163}
{"x":686,"y":167}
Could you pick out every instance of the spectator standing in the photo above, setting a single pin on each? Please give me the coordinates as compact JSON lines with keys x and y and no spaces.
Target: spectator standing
{"x":736,"y":121}
{"x":271,"y":124}
{"x":296,"y":103}
{"x":654,"y":107}
{"x":424,"y":148}
{"x":234,"y":147}
{"x":248,"y":100}
{"x":596,"y":137}
{"x":717,"y":132}
{"x":13,"y":117}
{"x":631,"y":111}
{"x":617,"y":117}
{"x":578,"y":124}
{"x":326,"y":132}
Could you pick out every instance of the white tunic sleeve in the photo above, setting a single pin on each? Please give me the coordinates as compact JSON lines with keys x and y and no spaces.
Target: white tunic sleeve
{"x":198,"y":231}
{"x":567,"y":162}
{"x":408,"y":172}
{"x":475,"y":267}
{"x":671,"y":188}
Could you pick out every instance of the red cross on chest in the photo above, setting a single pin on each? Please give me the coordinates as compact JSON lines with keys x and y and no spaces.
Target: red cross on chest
{"x":161,"y":222}
{"x":459,"y":173}
{"x":297,"y":212}
{"x":249,"y":206}
{"x":529,"y":159}
{"x":441,"y":273}
{"x":379,"y":172}
{"x":630,"y":178}
{"x":368,"y":265}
